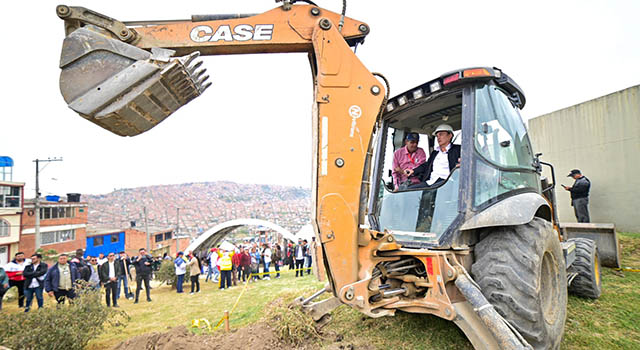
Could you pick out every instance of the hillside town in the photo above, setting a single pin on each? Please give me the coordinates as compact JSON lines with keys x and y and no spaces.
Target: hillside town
{"x":200,"y":205}
{"x":172,"y":216}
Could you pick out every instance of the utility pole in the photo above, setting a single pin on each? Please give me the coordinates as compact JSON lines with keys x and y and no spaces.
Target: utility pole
{"x":146,"y":228}
{"x":36,"y":205}
{"x":177,"y":230}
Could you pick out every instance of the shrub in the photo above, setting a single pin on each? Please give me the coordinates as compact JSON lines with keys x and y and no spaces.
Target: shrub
{"x":167,"y":274}
{"x":69,"y":326}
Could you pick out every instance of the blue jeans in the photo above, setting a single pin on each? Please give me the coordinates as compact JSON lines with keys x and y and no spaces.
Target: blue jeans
{"x":277,"y":269}
{"x":28,"y":292}
{"x":209,"y":274}
{"x":266,"y":269}
{"x":126,"y":287}
{"x":216,"y":273}
{"x":308,"y":262}
{"x":179,"y":284}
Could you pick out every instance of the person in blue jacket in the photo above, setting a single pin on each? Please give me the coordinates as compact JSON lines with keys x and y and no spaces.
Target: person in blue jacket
{"x":61,"y":279}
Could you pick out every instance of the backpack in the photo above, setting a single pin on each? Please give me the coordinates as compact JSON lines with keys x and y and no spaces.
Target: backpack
{"x":83,"y":270}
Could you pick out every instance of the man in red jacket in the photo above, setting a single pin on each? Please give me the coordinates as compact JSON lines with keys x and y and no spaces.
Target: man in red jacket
{"x":236,"y":269}
{"x":245,"y":263}
{"x":14,"y":270}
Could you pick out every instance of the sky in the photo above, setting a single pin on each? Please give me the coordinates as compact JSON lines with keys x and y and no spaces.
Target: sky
{"x":254,"y":124}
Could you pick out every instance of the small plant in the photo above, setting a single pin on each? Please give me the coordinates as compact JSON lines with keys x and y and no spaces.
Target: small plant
{"x":167,"y":274}
{"x":69,"y":327}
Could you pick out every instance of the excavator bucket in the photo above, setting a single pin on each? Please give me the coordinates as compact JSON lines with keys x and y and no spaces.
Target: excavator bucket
{"x":603,"y":234}
{"x":122,"y":88}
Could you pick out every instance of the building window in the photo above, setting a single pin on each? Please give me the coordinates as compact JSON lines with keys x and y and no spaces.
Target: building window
{"x":5,"y":228}
{"x":57,"y":212}
{"x":98,"y":241}
{"x":58,"y":236}
{"x":167,"y":235}
{"x":159,"y":237}
{"x":10,"y":197}
{"x":115,"y":238}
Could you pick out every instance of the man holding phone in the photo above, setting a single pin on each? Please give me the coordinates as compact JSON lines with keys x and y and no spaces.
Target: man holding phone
{"x":579,"y":195}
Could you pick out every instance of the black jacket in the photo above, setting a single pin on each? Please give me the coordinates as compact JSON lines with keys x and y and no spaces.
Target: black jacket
{"x":580,"y":188}
{"x":103,"y":271}
{"x":124,"y":264}
{"x":295,"y":250}
{"x":423,"y":171}
{"x":140,"y":264}
{"x":30,"y":273}
{"x":83,"y":268}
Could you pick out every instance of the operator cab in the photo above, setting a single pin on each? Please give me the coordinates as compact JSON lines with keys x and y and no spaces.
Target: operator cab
{"x":482,"y":106}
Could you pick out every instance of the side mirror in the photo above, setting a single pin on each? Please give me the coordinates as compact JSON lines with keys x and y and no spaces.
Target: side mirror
{"x":536,"y":163}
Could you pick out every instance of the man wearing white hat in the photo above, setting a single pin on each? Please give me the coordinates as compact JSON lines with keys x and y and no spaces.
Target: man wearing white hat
{"x":444,"y":158}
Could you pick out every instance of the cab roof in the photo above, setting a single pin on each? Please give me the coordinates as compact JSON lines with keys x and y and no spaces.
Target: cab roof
{"x":441,"y":93}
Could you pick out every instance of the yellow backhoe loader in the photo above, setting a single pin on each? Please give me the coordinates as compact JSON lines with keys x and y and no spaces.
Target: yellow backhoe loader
{"x":481,"y":248}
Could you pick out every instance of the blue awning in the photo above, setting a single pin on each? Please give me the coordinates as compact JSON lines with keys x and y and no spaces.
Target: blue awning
{"x":6,"y":161}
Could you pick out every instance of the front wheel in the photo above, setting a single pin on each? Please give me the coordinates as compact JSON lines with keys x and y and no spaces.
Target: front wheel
{"x":586,"y":282}
{"x":521,"y":271}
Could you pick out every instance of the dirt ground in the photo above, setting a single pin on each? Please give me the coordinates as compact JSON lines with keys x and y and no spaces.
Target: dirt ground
{"x":258,"y":336}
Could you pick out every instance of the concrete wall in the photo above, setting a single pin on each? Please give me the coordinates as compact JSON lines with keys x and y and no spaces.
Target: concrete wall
{"x":600,"y":137}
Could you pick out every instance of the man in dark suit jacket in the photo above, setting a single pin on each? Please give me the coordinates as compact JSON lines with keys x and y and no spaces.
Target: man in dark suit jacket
{"x":299,"y":254}
{"x":109,"y":272}
{"x":34,"y":280}
{"x":444,"y":158}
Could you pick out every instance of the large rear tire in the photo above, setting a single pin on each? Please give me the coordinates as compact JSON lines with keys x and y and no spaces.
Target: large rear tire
{"x":587,"y":283}
{"x":521,"y":271}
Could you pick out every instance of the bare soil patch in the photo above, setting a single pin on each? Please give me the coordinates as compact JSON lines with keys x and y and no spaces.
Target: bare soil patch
{"x":258,"y":336}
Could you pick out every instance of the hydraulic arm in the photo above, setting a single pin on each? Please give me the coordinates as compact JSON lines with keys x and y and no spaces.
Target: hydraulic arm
{"x":127,"y":79}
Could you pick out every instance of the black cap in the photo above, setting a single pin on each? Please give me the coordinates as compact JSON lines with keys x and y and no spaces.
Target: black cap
{"x":413,"y":136}
{"x":574,"y":172}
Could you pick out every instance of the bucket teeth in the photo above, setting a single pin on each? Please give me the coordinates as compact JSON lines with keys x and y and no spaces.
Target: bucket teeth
{"x":203,"y":80}
{"x":186,"y":60}
{"x":199,"y":73}
{"x":140,"y":96}
{"x":194,"y":67}
{"x":206,"y":86}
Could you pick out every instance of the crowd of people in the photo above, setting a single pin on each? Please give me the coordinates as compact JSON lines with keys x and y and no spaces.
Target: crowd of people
{"x":226,"y":265}
{"x":33,"y":277}
{"x":230,"y":264}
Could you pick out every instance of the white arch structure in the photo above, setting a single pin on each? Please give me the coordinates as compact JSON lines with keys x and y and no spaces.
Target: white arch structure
{"x":216,"y":234}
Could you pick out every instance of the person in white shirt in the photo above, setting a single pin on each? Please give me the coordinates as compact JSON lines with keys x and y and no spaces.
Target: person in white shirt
{"x":300,"y":251}
{"x":109,"y":272}
{"x":444,"y":158}
{"x":34,"y":281}
{"x":266,"y":258}
{"x":101,"y":259}
{"x":213,"y":264}
{"x":181,"y":269}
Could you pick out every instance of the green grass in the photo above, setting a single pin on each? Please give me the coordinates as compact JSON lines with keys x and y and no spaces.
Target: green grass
{"x":170,"y":309}
{"x":611,"y":322}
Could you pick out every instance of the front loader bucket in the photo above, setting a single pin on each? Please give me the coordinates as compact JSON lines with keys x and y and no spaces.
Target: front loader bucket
{"x":122,"y":88}
{"x":603,"y":234}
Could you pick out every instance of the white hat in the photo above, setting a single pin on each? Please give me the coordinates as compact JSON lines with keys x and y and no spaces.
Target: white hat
{"x":443,"y":127}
